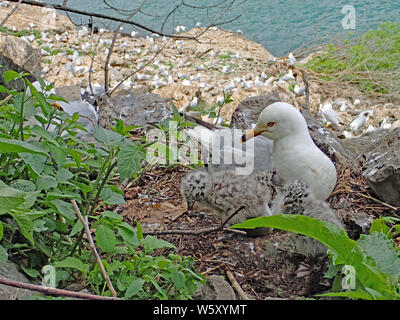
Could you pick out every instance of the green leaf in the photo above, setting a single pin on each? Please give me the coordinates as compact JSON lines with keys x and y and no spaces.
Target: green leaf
{"x":139,"y":230}
{"x":11,"y":75}
{"x":76,"y":228}
{"x":379,"y":225}
{"x":24,"y":185}
{"x":43,"y":133}
{"x":74,"y":263}
{"x":150,"y":243}
{"x":134,"y":288}
{"x":37,"y":162}
{"x":46,"y":182}
{"x":335,"y":239}
{"x":33,"y":273}
{"x":128,"y":234}
{"x":13,"y":199}
{"x":107,"y":137}
{"x":105,"y":238}
{"x":1,"y":230}
{"x":63,"y":175}
{"x":25,"y":224}
{"x":65,"y":209}
{"x":129,"y":160}
{"x":3,"y":254}
{"x":12,"y":146}
{"x":178,"y":278}
{"x":358,"y":294}
{"x":383,"y":252}
{"x":112,"y":215}
{"x":111,"y":197}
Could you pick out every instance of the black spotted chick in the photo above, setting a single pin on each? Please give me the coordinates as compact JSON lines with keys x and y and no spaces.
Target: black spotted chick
{"x":224,"y":191}
{"x":296,"y":198}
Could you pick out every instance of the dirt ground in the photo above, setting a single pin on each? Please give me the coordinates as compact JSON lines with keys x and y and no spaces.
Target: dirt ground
{"x":262,"y":270}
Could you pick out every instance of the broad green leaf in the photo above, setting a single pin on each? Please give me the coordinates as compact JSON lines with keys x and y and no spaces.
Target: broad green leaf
{"x":43,"y":133}
{"x":358,"y":294}
{"x":5,"y":90}
{"x":383,"y":252}
{"x":65,"y":209}
{"x":129,"y":160}
{"x":37,"y":162}
{"x":111,"y":197}
{"x":128,"y":234}
{"x":74,"y":263}
{"x":379,"y":225}
{"x":13,"y":199}
{"x":335,"y":239}
{"x":24,"y":185}
{"x":1,"y":230}
{"x":105,"y":238}
{"x":12,"y":146}
{"x":63,"y":175}
{"x":33,"y":273}
{"x":150,"y":243}
{"x":134,"y":288}
{"x":112,"y":215}
{"x":11,"y":75}
{"x":46,"y":182}
{"x":178,"y":278}
{"x":25,"y":224}
{"x":107,"y":137}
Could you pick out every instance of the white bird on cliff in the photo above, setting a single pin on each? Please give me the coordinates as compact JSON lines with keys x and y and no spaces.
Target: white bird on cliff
{"x":295,"y":155}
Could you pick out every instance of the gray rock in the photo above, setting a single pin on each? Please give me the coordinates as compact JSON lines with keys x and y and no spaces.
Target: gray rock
{"x":9,"y":271}
{"x":18,"y":55}
{"x":382,"y":167}
{"x":246,"y":114}
{"x":216,"y":288}
{"x":133,"y":109}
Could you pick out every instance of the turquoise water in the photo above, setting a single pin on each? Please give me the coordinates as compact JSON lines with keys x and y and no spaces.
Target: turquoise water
{"x":280,"y":26}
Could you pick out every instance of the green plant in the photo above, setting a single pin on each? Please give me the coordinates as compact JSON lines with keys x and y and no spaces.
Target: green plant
{"x":371,"y":61}
{"x":374,"y":257}
{"x":43,"y":165}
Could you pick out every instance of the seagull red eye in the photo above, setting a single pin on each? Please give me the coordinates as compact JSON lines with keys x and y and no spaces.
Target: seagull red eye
{"x":270,"y":124}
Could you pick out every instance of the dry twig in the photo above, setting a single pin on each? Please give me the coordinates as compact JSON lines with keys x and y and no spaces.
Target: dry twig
{"x":199,"y":231}
{"x":53,"y":291}
{"x":237,"y":286}
{"x":93,"y":248}
{"x":10,"y":13}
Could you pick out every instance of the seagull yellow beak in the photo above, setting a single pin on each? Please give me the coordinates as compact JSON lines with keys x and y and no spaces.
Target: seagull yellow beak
{"x":250,"y":134}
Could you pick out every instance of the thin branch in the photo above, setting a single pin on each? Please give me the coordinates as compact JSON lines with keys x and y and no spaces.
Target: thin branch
{"x":10,"y":13}
{"x":53,"y":291}
{"x":93,"y":248}
{"x":377,"y":200}
{"x":237,"y":286}
{"x":199,"y":231}
{"x":101,"y":16}
{"x":137,"y":70}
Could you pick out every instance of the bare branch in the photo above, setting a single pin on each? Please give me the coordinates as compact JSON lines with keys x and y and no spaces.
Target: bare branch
{"x":53,"y":291}
{"x":10,"y":13}
{"x":93,"y":248}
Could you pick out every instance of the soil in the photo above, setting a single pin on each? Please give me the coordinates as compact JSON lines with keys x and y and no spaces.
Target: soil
{"x":262,"y":270}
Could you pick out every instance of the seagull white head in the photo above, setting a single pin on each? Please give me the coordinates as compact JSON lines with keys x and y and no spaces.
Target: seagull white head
{"x":278,"y":120}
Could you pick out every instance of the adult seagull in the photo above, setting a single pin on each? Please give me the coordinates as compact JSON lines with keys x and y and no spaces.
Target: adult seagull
{"x":295,"y":155}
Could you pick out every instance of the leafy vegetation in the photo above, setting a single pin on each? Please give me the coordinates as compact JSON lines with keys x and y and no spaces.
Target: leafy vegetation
{"x":374,"y":258}
{"x":372,"y":61}
{"x":43,"y":166}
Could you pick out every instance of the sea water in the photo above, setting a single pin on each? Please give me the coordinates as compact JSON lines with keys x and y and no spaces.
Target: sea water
{"x":281,"y":26}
